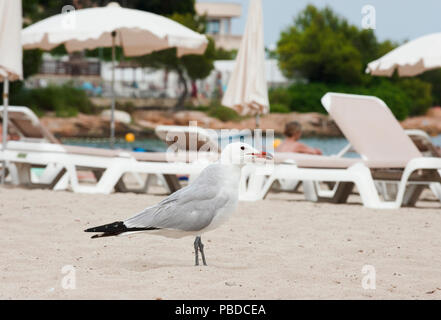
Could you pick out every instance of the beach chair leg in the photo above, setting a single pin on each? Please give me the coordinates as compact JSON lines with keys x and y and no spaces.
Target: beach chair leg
{"x":340,"y":195}
{"x":412,"y":194}
{"x":13,"y":173}
{"x":387,"y":189}
{"x":436,"y":189}
{"x":106,"y":183}
{"x":310,"y":191}
{"x":98,"y":173}
{"x":109,"y":179}
{"x":23,"y":173}
{"x":172,"y":182}
{"x":63,"y":183}
{"x":362,"y":178}
{"x":55,"y":181}
{"x":267,"y":187}
{"x":342,"y":192}
{"x":6,"y":169}
{"x":255,"y":185}
{"x":122,"y":187}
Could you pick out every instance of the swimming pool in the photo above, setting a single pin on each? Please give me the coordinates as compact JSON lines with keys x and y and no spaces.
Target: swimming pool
{"x":327,"y":145}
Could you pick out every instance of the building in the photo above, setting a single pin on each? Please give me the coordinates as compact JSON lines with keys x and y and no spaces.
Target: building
{"x":219,"y":16}
{"x":72,"y":65}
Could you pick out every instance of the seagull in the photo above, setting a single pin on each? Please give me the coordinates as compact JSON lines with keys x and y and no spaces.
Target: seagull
{"x":201,"y":206}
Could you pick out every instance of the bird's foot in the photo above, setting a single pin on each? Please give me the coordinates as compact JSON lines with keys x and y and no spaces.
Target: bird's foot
{"x":196,"y":250}
{"x":199,"y":246}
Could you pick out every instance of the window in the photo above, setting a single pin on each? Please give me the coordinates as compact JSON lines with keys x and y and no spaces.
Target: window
{"x":213,"y":27}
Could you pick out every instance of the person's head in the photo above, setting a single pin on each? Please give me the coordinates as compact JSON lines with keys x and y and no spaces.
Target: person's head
{"x":293,"y":130}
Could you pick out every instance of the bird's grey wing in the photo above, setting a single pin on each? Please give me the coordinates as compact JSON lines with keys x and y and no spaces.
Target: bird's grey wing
{"x":189,"y":209}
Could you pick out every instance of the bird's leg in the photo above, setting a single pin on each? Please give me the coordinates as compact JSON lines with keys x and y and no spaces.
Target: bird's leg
{"x":201,"y":247}
{"x":196,"y":249}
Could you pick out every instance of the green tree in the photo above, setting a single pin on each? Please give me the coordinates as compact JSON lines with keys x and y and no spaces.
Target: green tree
{"x":317,"y":47}
{"x":322,"y":46}
{"x":193,"y":66}
{"x":434,"y":78}
{"x":164,"y":7}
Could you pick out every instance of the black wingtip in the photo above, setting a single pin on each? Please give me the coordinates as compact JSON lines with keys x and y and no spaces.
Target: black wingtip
{"x":110,"y":227}
{"x":114,"y":229}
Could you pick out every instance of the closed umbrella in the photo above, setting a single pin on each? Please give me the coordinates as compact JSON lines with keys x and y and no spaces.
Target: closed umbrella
{"x":410,"y":59}
{"x":247,"y":91}
{"x":10,"y":57}
{"x":137,"y":32}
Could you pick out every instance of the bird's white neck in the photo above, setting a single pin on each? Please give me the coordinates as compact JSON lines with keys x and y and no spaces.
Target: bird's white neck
{"x":232,"y":175}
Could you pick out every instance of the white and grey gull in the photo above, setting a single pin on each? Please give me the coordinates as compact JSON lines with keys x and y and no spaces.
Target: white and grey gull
{"x":201,"y":206}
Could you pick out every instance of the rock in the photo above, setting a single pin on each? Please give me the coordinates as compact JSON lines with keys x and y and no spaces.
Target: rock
{"x":312,"y":123}
{"x":431,"y":125}
{"x":120,"y":116}
{"x":147,"y":120}
{"x":81,"y":126}
{"x":434,"y":112}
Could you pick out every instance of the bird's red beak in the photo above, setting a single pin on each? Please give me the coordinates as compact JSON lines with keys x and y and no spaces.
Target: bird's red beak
{"x":263,"y":155}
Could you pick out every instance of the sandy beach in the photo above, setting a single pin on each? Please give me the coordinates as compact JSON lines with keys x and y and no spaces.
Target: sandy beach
{"x":280,"y":248}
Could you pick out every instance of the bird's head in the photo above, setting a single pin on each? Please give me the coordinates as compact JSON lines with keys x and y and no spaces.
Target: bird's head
{"x":240,"y":153}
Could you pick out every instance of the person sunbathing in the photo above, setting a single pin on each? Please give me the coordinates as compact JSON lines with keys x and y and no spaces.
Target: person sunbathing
{"x":293,"y":132}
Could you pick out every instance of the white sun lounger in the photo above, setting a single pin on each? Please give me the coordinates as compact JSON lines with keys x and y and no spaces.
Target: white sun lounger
{"x":109,"y":166}
{"x":61,"y":163}
{"x":387,"y":154}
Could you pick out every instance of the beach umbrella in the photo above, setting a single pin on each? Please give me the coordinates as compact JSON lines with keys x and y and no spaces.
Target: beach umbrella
{"x":11,"y":68}
{"x":137,"y":32}
{"x":247,"y":91}
{"x":410,"y":59}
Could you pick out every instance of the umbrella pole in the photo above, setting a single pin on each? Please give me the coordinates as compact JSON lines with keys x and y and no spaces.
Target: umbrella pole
{"x":5,"y":124}
{"x":112,"y":112}
{"x":257,"y":121}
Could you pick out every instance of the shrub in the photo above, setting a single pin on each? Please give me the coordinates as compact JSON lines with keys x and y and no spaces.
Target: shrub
{"x":279,"y":108}
{"x":404,"y":97}
{"x":393,"y":95}
{"x":420,"y":93}
{"x":65,"y":100}
{"x":223,"y":113}
{"x":279,"y":96}
{"x":306,"y":97}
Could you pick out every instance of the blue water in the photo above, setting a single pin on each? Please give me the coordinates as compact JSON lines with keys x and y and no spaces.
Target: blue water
{"x":328,"y":146}
{"x":436,"y":140}
{"x":152,"y":145}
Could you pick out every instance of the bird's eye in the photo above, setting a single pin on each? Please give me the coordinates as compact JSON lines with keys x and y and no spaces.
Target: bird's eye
{"x":242,"y":148}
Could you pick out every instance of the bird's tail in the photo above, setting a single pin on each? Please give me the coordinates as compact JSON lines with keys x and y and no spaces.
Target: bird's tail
{"x":114,"y":229}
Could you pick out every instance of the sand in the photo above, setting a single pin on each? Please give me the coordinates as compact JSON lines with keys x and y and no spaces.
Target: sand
{"x":279,"y":248}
